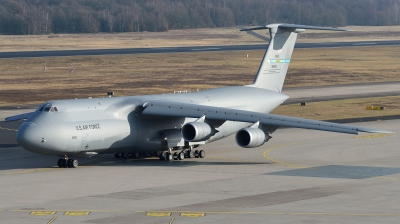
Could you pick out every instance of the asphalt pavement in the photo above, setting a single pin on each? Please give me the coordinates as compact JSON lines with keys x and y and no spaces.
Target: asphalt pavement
{"x":299,"y":176}
{"x":157,"y":50}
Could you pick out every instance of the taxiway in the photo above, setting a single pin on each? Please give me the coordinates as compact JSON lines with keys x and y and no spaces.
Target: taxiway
{"x":157,"y":50}
{"x":298,"y":176}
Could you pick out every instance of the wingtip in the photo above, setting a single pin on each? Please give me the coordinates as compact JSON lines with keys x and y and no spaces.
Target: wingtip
{"x":377,"y":132}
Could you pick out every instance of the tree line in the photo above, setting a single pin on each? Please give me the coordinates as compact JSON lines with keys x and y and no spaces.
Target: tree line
{"x":92,"y":16}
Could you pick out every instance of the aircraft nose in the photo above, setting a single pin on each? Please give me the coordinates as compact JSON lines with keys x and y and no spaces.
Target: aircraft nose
{"x":26,"y":136}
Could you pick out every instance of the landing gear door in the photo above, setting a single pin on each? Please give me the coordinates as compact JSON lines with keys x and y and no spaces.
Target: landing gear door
{"x":173,"y":138}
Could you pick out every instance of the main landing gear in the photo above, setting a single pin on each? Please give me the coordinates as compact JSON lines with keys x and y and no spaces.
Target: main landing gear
{"x":134,"y":155}
{"x":168,"y":155}
{"x":185,"y":153}
{"x":65,"y":162}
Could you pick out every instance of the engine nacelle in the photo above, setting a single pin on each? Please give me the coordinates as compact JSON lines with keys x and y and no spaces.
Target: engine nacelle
{"x":251,"y":137}
{"x":197,"y":131}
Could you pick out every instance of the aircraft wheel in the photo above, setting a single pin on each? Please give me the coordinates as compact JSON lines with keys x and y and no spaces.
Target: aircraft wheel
{"x":117,"y":155}
{"x":135,"y":155}
{"x":163,"y":156}
{"x":196,"y":154}
{"x":60,"y":162}
{"x":64,"y":163}
{"x":175,"y":156}
{"x":169,"y":156}
{"x":73,"y":163}
{"x":124,"y":155}
{"x":181,"y":156}
{"x":202,"y":154}
{"x":69,"y":163}
{"x":190,"y":154}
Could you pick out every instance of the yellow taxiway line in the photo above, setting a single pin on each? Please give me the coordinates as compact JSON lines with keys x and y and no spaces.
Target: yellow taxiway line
{"x":203,"y":213}
{"x":52,"y":220}
{"x":281,"y":162}
{"x":199,"y":214}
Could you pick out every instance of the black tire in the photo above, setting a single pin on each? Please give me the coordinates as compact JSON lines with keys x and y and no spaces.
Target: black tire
{"x":162,"y":156}
{"x":74,"y":163}
{"x":124,"y":155}
{"x":64,"y":163}
{"x":59,"y":163}
{"x":181,"y":156}
{"x":202,"y":154}
{"x":190,"y":154}
{"x":169,"y":156}
{"x":69,"y":163}
{"x":117,"y":155}
{"x":196,"y":153}
{"x":175,"y":156}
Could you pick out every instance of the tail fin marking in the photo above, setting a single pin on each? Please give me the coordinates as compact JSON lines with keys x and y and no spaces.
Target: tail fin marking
{"x":272,"y":71}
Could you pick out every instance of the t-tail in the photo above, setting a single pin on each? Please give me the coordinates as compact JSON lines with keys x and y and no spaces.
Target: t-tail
{"x":274,"y":66}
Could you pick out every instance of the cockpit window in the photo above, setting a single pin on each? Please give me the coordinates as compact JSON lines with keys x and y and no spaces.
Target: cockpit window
{"x":48,"y":108}
{"x":53,"y":109}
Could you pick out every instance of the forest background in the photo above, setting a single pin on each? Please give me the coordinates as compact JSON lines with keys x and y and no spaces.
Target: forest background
{"x":93,"y":16}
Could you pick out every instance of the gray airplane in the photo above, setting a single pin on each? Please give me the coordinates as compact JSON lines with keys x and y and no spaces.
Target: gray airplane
{"x":173,"y":126}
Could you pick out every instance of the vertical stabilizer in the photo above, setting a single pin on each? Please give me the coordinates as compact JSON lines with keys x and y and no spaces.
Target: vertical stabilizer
{"x":274,"y":66}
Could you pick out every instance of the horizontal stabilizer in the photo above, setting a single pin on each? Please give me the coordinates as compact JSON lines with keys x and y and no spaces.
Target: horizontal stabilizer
{"x":294,"y":27}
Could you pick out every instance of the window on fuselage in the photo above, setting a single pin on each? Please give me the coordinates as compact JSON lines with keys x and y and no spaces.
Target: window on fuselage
{"x":41,"y":109}
{"x":47,"y":109}
{"x":53,"y":109}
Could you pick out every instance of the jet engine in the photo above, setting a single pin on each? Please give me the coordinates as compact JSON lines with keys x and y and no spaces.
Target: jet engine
{"x":197,"y":131}
{"x":251,"y":137}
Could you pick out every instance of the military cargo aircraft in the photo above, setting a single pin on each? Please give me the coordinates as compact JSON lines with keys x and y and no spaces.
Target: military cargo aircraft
{"x":173,"y":126}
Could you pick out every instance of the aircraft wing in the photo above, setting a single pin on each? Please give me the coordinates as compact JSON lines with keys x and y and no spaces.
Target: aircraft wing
{"x":19,"y":117}
{"x":166,"y":108}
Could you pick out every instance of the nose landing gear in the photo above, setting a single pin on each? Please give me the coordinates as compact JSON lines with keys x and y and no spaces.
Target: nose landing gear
{"x":65,"y":162}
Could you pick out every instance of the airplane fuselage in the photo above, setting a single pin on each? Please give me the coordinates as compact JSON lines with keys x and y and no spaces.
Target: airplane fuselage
{"x":115,"y":124}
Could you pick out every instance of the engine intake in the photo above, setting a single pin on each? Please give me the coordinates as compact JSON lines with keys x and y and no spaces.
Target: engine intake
{"x":251,"y":137}
{"x":197,"y":131}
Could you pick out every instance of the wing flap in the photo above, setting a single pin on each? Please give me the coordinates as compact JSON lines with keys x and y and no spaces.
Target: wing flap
{"x":165,"y":108}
